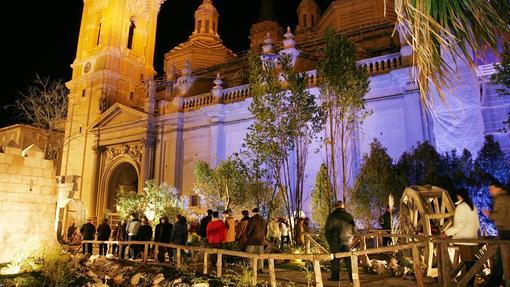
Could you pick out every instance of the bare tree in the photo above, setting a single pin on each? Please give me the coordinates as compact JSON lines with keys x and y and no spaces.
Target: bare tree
{"x":44,"y":105}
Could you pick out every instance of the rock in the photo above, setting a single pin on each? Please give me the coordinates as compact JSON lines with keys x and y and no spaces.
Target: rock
{"x":158,"y":279}
{"x":201,"y":285}
{"x":110,"y":256}
{"x":97,"y":280}
{"x":177,"y":281}
{"x":91,"y":274}
{"x":118,"y":279}
{"x":136,"y":279}
{"x":126,"y":269}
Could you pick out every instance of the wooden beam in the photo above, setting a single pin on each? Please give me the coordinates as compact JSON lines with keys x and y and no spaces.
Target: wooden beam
{"x":254,"y":271}
{"x":206,"y":262}
{"x":178,"y":259}
{"x":505,"y":258}
{"x":318,"y":273}
{"x":417,"y":267}
{"x":481,"y":261}
{"x":145,"y":252}
{"x":355,"y":270}
{"x":444,"y":267}
{"x":272,"y":276}
{"x":219,"y":263}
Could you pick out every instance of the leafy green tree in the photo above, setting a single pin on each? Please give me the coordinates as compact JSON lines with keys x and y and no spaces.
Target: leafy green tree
{"x":502,"y":77}
{"x":286,"y":121}
{"x":490,"y":163}
{"x":458,"y":170}
{"x":222,"y":187}
{"x":375,"y":182}
{"x":261,"y":190}
{"x":155,"y":201}
{"x":343,"y":87}
{"x":491,"y":160}
{"x":322,"y":198}
{"x":422,"y":166}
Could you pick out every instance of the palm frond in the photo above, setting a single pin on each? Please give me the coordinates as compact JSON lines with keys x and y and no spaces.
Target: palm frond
{"x":456,"y":27}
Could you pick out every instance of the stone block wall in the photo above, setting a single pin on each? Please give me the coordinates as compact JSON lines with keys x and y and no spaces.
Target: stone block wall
{"x":27,"y":201}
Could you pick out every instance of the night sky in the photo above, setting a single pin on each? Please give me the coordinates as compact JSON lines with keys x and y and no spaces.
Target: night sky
{"x":42,"y":36}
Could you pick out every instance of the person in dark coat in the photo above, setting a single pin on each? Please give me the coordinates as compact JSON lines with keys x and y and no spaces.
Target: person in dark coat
{"x":340,"y":229}
{"x":144,"y":233}
{"x":241,"y":230}
{"x":70,"y":232}
{"x":179,"y":233}
{"x":162,"y":234}
{"x":203,"y":227}
{"x":103,"y":234}
{"x":88,"y":230}
{"x":385,"y":221}
{"x":256,"y":234}
{"x":119,"y":234}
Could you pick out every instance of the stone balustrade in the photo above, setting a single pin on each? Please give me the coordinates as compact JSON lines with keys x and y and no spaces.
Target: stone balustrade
{"x":381,"y":64}
{"x":375,"y":65}
{"x":236,"y":94}
{"x":196,"y":102}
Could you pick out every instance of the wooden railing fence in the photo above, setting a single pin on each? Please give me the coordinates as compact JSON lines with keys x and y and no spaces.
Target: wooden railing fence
{"x":315,"y":259}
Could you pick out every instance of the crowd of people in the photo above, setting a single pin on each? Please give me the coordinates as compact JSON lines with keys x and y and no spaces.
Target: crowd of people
{"x":250,"y":233}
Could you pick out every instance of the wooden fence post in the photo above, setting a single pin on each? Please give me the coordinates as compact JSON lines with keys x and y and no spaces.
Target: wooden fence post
{"x":178,"y":258}
{"x":254,"y":271}
{"x":444,"y":266}
{"x":308,"y":249}
{"x":318,"y":273}
{"x":156,"y":251}
{"x":206,"y":263}
{"x":355,"y":274}
{"x":417,"y":267}
{"x":505,"y":260}
{"x":272,"y":276}
{"x":219,"y":262}
{"x":145,"y":252}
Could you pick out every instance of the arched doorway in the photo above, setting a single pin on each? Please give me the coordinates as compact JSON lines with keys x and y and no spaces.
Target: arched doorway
{"x":123,"y":178}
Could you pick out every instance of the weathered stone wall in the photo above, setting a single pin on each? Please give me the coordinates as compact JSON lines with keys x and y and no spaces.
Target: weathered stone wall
{"x":27,"y":201}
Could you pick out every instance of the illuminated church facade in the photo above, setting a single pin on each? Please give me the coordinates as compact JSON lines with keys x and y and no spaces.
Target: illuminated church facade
{"x":127,"y":125}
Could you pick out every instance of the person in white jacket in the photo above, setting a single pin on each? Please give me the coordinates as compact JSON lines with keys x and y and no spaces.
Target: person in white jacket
{"x":465,"y":226}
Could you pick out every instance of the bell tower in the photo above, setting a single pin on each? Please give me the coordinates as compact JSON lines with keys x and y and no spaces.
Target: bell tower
{"x":113,"y":62}
{"x":308,"y":14}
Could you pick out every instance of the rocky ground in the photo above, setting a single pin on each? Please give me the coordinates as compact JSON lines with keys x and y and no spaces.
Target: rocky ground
{"x":100,"y":271}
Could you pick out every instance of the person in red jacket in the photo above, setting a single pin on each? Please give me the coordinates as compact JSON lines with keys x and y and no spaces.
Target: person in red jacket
{"x":216,"y":231}
{"x":216,"y":234}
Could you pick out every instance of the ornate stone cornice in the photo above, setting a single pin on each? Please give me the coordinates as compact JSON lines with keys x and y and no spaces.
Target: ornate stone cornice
{"x":132,"y":150}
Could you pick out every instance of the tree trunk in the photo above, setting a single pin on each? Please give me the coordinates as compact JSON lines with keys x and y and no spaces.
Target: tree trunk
{"x":332,"y":169}
{"x":344,"y":159}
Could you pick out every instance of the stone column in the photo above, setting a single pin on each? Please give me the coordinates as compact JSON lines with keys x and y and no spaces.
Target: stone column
{"x":217,"y":140}
{"x":95,"y":194}
{"x":172,"y":145}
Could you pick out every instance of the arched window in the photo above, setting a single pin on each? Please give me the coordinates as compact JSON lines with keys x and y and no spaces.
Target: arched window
{"x":131,"y":34}
{"x":98,"y":34}
{"x":207,"y":26}
{"x":214,"y":27}
{"x":305,"y":23}
{"x":199,"y":26}
{"x":313,"y":20}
